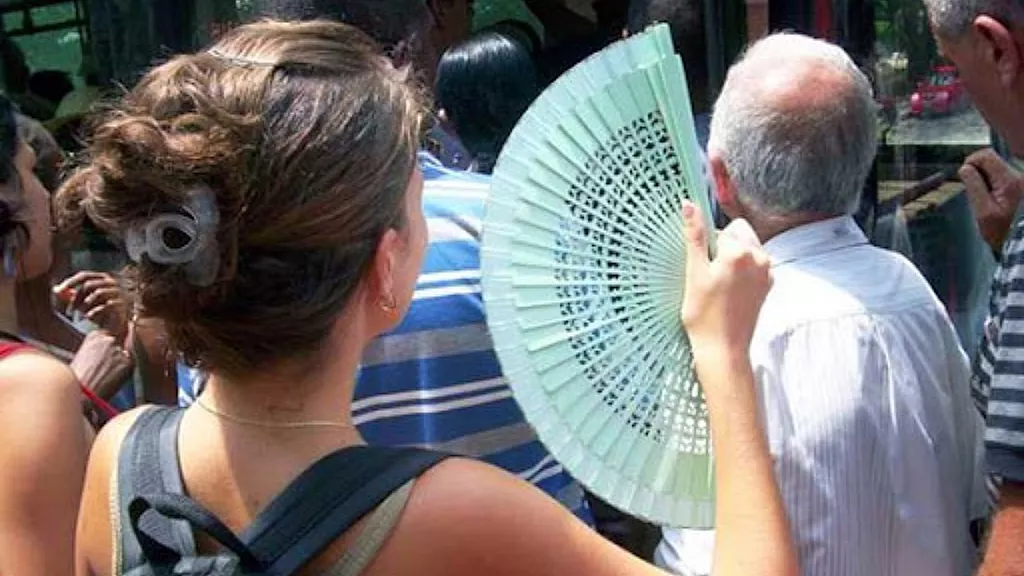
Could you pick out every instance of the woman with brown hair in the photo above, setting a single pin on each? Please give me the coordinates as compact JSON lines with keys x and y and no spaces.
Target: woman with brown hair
{"x":268,"y":192}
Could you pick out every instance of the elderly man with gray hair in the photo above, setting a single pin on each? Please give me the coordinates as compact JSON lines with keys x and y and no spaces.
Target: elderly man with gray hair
{"x":985,"y":40}
{"x":864,"y":385}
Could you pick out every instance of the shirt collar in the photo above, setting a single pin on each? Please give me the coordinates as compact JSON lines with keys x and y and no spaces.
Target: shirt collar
{"x":813,"y":239}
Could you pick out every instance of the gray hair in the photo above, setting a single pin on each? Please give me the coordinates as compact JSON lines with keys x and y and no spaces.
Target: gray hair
{"x":952,"y":18}
{"x":786,"y":159}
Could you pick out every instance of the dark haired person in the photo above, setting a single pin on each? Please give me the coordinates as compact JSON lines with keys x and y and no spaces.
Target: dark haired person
{"x":305,"y":197}
{"x":434,"y":381}
{"x":484,"y":85}
{"x":44,"y":439}
{"x":686,"y":22}
{"x":51,"y":85}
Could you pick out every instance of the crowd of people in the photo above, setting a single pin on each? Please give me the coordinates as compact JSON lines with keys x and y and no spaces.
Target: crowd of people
{"x":298,"y":207}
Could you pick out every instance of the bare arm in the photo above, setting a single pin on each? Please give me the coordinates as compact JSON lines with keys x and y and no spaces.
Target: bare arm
{"x":42,"y":464}
{"x":723,"y":299}
{"x":94,"y":546}
{"x":752,"y":531}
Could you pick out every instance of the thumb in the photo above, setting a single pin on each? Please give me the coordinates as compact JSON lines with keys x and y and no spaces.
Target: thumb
{"x":696,"y":232}
{"x":990,"y":162}
{"x":976,"y":187}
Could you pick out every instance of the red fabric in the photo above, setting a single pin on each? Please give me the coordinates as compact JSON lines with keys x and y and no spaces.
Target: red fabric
{"x":823,"y":19}
{"x":12,"y":348}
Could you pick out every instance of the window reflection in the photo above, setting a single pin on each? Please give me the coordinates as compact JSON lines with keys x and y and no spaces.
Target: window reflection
{"x":927,"y":126}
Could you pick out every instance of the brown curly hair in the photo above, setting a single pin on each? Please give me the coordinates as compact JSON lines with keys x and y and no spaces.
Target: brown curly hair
{"x":308,"y":138}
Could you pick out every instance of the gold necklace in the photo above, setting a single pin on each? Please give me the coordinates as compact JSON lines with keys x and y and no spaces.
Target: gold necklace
{"x":281,"y":425}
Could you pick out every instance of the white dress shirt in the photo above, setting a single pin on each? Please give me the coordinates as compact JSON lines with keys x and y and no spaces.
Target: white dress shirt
{"x":866,"y":398}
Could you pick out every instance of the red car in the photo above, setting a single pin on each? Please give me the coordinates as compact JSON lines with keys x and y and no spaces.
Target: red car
{"x":942,"y":93}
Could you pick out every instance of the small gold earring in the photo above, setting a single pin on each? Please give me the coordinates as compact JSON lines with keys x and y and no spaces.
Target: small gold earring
{"x":389,"y":304}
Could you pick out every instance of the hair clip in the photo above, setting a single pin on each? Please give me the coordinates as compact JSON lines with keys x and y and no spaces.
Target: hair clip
{"x":240,"y":60}
{"x":185,"y":238}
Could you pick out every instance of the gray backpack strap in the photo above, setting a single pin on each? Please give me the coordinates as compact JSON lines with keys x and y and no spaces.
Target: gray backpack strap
{"x":375,"y":533}
{"x":148,"y":464}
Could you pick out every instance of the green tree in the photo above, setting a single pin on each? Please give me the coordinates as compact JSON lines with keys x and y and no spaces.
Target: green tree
{"x":902,"y":26}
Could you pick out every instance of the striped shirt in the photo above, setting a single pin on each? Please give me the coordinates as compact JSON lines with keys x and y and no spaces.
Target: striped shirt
{"x":875,"y":440}
{"x":435,"y":381}
{"x":998,"y":382}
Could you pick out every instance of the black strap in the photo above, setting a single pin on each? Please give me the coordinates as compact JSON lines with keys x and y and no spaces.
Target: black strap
{"x":148,"y":464}
{"x":311,"y":513}
{"x":327,"y":499}
{"x":180,"y":507}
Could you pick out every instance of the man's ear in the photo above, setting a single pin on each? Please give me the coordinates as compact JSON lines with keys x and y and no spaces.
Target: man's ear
{"x":1001,"y":47}
{"x":724,"y":188}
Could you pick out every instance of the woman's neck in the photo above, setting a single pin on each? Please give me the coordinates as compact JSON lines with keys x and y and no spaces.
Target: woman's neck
{"x":319,"y":393}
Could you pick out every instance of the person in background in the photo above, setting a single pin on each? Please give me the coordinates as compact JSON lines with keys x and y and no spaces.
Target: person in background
{"x":38,"y":322}
{"x":686,"y":20}
{"x":35,"y":305}
{"x":98,"y":300}
{"x":67,"y":121}
{"x":50,"y":158}
{"x":434,"y":381}
{"x":511,"y":18}
{"x":51,"y":85}
{"x":484,"y":85}
{"x":44,"y":439}
{"x":877,"y":445}
{"x":985,"y":40}
{"x":320,"y":238}
{"x":16,"y":74}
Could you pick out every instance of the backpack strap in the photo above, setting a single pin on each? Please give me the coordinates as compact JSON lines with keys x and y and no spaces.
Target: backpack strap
{"x":327,"y":499}
{"x":148,"y":464}
{"x":377,"y":528}
{"x":182,"y":507}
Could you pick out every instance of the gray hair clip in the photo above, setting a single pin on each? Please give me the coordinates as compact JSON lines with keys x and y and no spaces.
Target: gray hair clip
{"x":185,"y":238}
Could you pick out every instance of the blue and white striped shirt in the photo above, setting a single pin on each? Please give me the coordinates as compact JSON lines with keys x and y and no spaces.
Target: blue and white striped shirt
{"x":435,"y":382}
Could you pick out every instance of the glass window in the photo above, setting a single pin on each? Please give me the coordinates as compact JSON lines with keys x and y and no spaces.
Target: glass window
{"x":928,"y":125}
{"x":54,"y":15}
{"x":49,"y":36}
{"x":14,"y":20}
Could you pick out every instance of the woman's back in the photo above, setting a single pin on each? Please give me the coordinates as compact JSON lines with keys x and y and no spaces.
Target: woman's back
{"x":452,"y":522}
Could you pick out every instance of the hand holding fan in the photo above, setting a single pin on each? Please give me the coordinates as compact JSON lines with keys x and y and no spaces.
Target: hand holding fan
{"x":583,"y":268}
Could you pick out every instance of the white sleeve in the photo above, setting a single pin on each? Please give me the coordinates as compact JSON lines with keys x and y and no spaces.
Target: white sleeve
{"x":685,"y":552}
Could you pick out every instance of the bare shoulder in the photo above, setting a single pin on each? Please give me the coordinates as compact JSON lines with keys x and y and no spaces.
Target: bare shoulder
{"x":483,"y":520}
{"x":44,"y":444}
{"x":37,"y":374}
{"x":95,"y":540}
{"x":38,"y":389}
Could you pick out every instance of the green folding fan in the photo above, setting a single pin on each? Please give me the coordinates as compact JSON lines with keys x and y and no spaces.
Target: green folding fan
{"x":583,"y":266}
